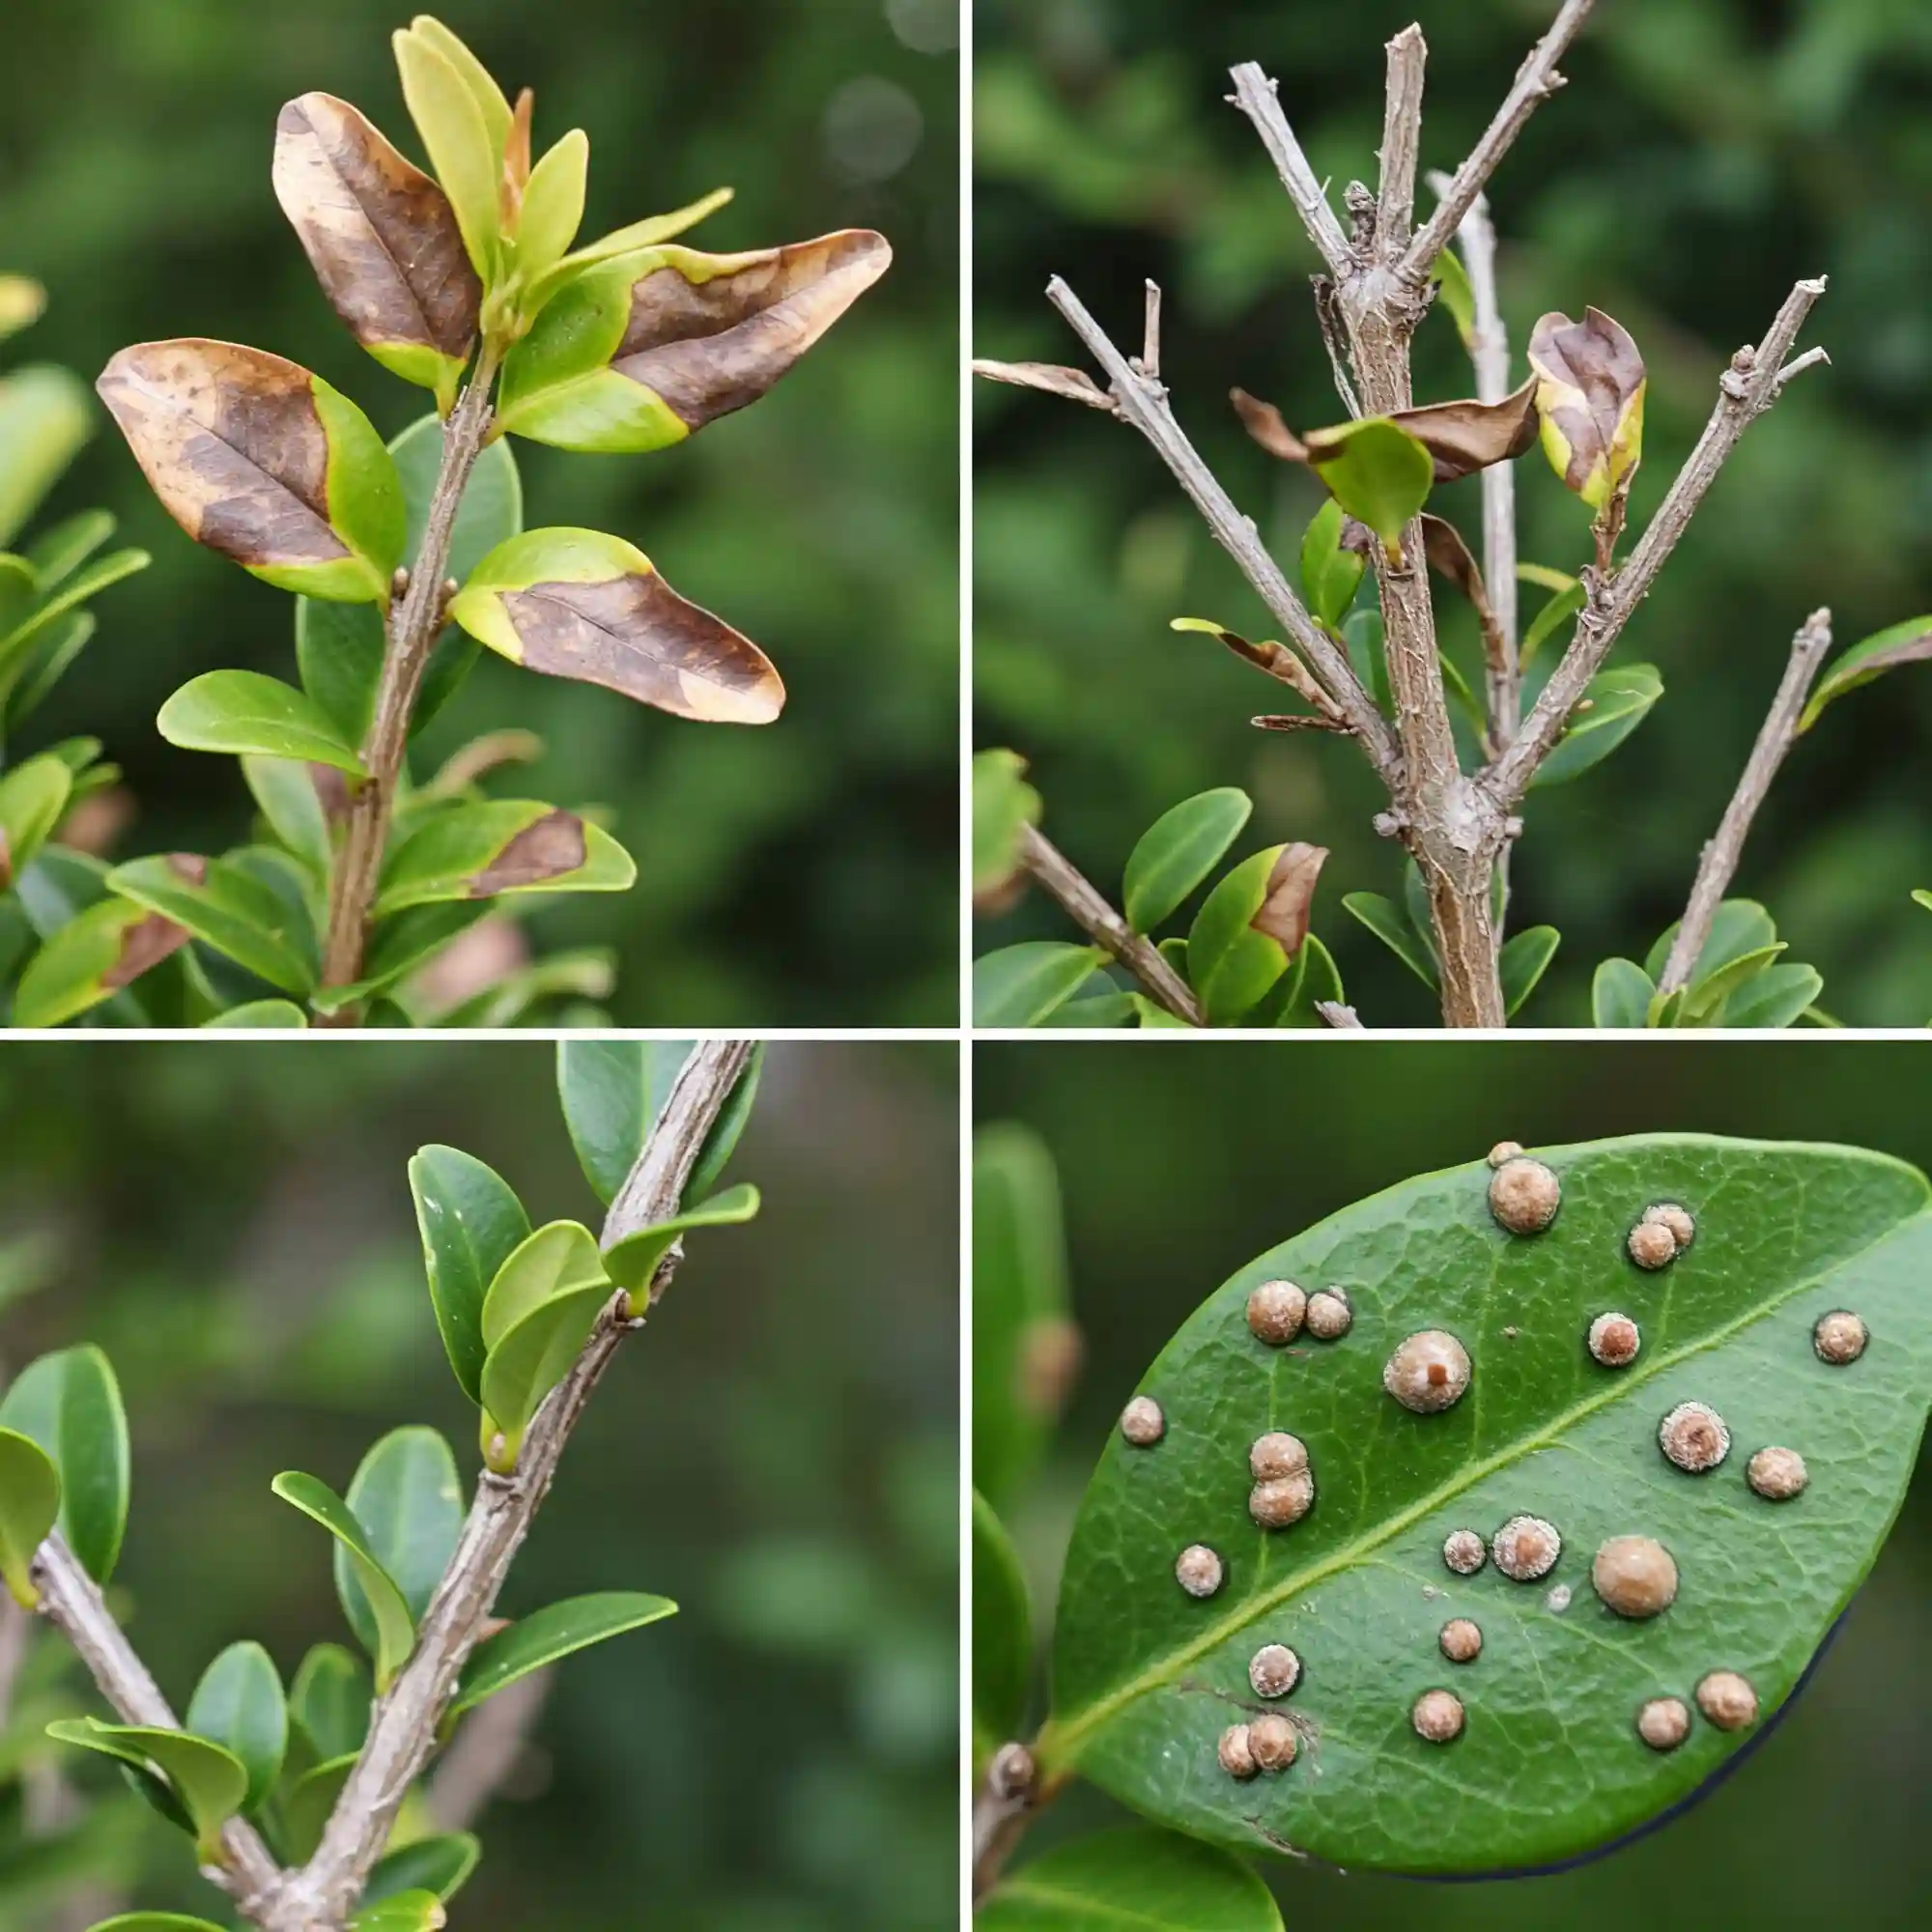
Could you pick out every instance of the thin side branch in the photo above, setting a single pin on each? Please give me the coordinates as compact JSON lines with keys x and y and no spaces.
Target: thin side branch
{"x":72,"y":1602}
{"x":1144,"y":404}
{"x":1719,"y":862}
{"x":412,"y":633}
{"x":1254,"y":96}
{"x":1402,"y":141}
{"x":1536,"y":80}
{"x":1002,"y":1807}
{"x":1754,"y":381}
{"x":402,"y":1732}
{"x":1094,"y":916}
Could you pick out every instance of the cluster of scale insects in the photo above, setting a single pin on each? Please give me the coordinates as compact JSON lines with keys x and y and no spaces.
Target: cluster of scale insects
{"x":1635,"y":1576}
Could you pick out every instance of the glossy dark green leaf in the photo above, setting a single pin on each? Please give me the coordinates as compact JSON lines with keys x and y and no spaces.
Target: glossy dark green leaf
{"x":1779,"y":996}
{"x":613,"y":1091}
{"x":1024,"y":985}
{"x":241,"y":711}
{"x":1024,"y":1342}
{"x":409,"y":1499}
{"x":95,"y":953}
{"x":721,"y":1142}
{"x":70,"y":1403}
{"x":1003,"y":805}
{"x":1909,"y":642}
{"x":223,"y":903}
{"x":285,"y":790}
{"x":471,"y":1222}
{"x":1523,"y":961}
{"x":1549,"y":1763}
{"x":238,"y":1705}
{"x":634,"y":1261}
{"x":1619,"y":700}
{"x":501,"y":847}
{"x":1329,"y":574}
{"x":1742,"y":942}
{"x":1390,"y":924}
{"x":1620,"y":994}
{"x":210,"y":1782}
{"x":440,"y":1865}
{"x":546,"y":1635}
{"x":29,"y":1507}
{"x":339,"y":646}
{"x":329,"y":1701}
{"x":1113,"y":1881}
{"x":1177,"y":851}
{"x":395,"y":1625}
{"x":1002,"y":1634}
{"x":1099,"y":1010}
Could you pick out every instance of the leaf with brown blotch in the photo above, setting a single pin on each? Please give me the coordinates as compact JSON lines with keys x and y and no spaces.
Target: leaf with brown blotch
{"x":641,"y":350}
{"x":583,"y":605}
{"x":260,"y":459}
{"x":1590,"y":397}
{"x":1461,"y":438}
{"x":1075,"y":385}
{"x":1289,"y":896}
{"x":382,"y":240}
{"x":95,"y":954}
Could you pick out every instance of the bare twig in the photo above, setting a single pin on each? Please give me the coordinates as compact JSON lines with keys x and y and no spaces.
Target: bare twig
{"x":1254,"y":96}
{"x":1719,"y":862}
{"x":1144,"y":404}
{"x":486,"y":1752}
{"x":1749,"y":387}
{"x":1001,"y":1809}
{"x":1535,"y":81}
{"x":1149,"y":364}
{"x":1338,"y":1017}
{"x":72,"y":1602}
{"x":412,"y":633}
{"x":1101,"y":924}
{"x":1402,"y":141}
{"x":402,"y":1733}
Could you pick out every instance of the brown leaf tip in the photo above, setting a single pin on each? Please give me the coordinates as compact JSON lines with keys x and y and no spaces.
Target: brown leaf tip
{"x":1289,"y":896}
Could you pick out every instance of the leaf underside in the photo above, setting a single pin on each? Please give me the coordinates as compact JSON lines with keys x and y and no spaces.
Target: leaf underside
{"x":1549,"y":1765}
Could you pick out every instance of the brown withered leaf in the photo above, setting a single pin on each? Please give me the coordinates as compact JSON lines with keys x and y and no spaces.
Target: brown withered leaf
{"x":636,"y":635}
{"x":144,"y":945}
{"x":230,"y":442}
{"x":1289,"y":896}
{"x":1055,"y":378}
{"x":1460,"y":436}
{"x":379,"y":233}
{"x":1449,"y":557}
{"x":712,"y":346}
{"x":545,"y":850}
{"x":1295,"y":720}
{"x":1591,"y":396}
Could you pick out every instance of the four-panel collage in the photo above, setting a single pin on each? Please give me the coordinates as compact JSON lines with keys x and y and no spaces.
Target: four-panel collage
{"x":635,"y":645}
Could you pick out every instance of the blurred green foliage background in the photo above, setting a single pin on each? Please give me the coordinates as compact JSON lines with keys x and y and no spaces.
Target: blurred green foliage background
{"x":778,"y":1452}
{"x":800,"y":874}
{"x":1705,"y":154}
{"x":1177,"y":1167}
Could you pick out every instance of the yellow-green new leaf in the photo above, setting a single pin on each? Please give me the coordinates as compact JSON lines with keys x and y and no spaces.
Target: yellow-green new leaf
{"x":559,"y":1258}
{"x":264,"y":462}
{"x":634,"y":1261}
{"x":22,"y":303}
{"x":578,"y":604}
{"x":44,"y":419}
{"x":641,"y":351}
{"x":628,"y":241}
{"x":553,"y":207}
{"x":32,"y":795}
{"x":29,"y":1506}
{"x":530,"y":1359}
{"x":1590,"y":386}
{"x":447,"y":107}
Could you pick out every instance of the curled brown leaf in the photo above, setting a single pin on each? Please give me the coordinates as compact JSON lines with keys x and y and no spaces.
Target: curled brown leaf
{"x":1057,"y":379}
{"x":1590,"y":395}
{"x":1289,"y":896}
{"x":1460,"y":436}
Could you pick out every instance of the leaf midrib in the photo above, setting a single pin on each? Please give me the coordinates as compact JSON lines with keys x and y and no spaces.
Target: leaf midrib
{"x":1060,"y":1738}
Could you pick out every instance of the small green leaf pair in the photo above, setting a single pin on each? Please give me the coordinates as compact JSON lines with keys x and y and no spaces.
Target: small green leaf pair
{"x":64,"y":1459}
{"x":1409,"y":932}
{"x":1738,"y":980}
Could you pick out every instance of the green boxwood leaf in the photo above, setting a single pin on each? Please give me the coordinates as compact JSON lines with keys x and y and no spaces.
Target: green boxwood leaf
{"x":329,"y":1701}
{"x":1329,"y":574}
{"x":1704,"y":998}
{"x":306,"y":1804}
{"x":241,"y":711}
{"x":471,"y":1222}
{"x":284,"y":788}
{"x":46,"y":419}
{"x":1738,"y":927}
{"x":399,"y":946}
{"x":1179,"y":850}
{"x":339,"y":646}
{"x":440,"y":1865}
{"x":1002,"y":1635}
{"x":537,"y":1315}
{"x":1565,"y":600}
{"x":259,"y":1015}
{"x":1548,"y":1764}
{"x":543,"y":1638}
{"x":395,"y":1625}
{"x":1909,"y":642}
{"x":1619,"y":700}
{"x":405,"y":1911}
{"x":1024,"y":985}
{"x":1456,"y":294}
{"x":1620,"y":994}
{"x":1136,"y":1877}
{"x":33,"y":796}
{"x":553,"y":208}
{"x":409,"y":1499}
{"x":1376,"y":471}
{"x":501,"y":847}
{"x":633,"y":1261}
{"x":238,"y":1705}
{"x":70,"y":1404}
{"x":612,"y":1091}
{"x":1363,"y":636}
{"x":1523,"y":961}
{"x":30,"y":1502}
{"x":1002,"y":803}
{"x":1249,"y":928}
{"x":210,"y":1782}
{"x":156,"y":1921}
{"x":1099,"y":1010}
{"x":1779,"y":996}
{"x":1390,"y":924}
{"x":224,"y":903}
{"x":97,"y":952}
